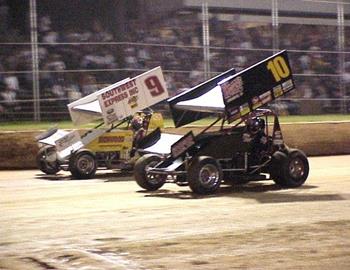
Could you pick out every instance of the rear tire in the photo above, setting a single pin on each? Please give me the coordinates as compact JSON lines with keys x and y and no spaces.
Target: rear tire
{"x":275,"y":167}
{"x":83,"y":164}
{"x":143,"y":178}
{"x":204,"y":175}
{"x":290,"y":170}
{"x":46,"y":160}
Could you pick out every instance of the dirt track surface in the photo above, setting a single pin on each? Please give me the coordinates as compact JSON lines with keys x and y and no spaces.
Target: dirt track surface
{"x":110,"y":223}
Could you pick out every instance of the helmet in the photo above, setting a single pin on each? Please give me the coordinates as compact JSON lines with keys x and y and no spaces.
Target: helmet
{"x":136,"y":122}
{"x":255,"y":124}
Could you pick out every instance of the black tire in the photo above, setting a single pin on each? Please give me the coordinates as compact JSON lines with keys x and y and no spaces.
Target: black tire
{"x":47,"y":161}
{"x":204,"y":175}
{"x":83,"y":164}
{"x":293,"y":169}
{"x":144,"y":179}
{"x":275,"y":166}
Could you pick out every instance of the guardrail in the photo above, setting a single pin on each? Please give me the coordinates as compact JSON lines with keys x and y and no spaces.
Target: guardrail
{"x":18,"y":149}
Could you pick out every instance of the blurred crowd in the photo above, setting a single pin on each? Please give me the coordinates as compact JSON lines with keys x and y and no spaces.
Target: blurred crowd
{"x":70,"y":71}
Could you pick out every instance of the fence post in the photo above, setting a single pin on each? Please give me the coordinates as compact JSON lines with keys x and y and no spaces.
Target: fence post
{"x":341,"y":56}
{"x":206,"y":52}
{"x":275,"y":25}
{"x":35,"y":59}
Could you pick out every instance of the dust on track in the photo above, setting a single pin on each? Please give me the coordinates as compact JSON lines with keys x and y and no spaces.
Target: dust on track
{"x":110,"y":223}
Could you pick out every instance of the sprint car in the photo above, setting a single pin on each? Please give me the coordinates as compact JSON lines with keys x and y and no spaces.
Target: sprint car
{"x":243,"y":147}
{"x":124,"y":108}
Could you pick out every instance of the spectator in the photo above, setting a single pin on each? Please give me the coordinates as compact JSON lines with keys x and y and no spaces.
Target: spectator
{"x":88,"y":84}
{"x":235,"y":41}
{"x":51,"y":37}
{"x":9,"y":105}
{"x":99,"y":34}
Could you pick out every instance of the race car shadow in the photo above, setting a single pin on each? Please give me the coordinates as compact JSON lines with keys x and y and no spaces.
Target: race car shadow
{"x":53,"y":177}
{"x":112,"y":176}
{"x":261,"y":192}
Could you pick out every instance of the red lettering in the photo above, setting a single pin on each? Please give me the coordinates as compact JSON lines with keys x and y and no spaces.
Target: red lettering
{"x":110,"y":139}
{"x":116,"y":99}
{"x":154,"y":86}
{"x":133,"y":91}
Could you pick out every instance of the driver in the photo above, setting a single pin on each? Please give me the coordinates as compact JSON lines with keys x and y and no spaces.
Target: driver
{"x":138,"y":127}
{"x":256,"y":137}
{"x":136,"y":123}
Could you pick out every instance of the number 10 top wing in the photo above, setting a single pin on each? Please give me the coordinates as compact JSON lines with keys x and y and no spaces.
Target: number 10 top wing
{"x":257,"y":85}
{"x":234,"y":95}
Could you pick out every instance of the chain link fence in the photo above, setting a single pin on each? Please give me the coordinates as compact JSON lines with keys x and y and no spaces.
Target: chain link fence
{"x":53,"y":54}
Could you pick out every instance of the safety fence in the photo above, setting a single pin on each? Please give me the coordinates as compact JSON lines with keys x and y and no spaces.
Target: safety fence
{"x":45,"y":67}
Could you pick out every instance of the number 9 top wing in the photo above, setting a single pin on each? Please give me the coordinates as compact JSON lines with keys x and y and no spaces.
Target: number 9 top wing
{"x":153,"y":87}
{"x":132,"y":96}
{"x":257,"y":85}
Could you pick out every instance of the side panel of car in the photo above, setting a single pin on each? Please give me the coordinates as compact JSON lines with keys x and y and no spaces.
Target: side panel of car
{"x":116,"y":140}
{"x":219,"y":146}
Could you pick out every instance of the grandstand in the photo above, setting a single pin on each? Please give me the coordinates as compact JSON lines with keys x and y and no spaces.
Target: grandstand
{"x":80,"y":46}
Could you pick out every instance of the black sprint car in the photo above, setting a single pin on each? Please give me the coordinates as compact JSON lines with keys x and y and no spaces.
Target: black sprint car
{"x":243,"y":147}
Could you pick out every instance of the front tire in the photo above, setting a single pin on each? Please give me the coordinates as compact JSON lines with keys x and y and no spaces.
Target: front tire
{"x":46,"y":160}
{"x":83,"y":165}
{"x":143,"y":178}
{"x":204,"y":175}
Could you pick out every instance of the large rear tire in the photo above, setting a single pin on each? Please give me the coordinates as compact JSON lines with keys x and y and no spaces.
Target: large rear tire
{"x":144,"y":179}
{"x":290,"y":170}
{"x":83,"y":164}
{"x":204,"y":175}
{"x":275,"y":167}
{"x":46,"y":160}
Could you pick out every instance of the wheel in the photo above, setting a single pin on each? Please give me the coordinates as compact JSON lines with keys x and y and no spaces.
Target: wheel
{"x":143,"y":178}
{"x":293,"y":169}
{"x":83,"y":164}
{"x":204,"y":175}
{"x":46,"y":160}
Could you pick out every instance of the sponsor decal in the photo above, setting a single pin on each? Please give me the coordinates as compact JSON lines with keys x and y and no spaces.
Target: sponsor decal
{"x":119,"y":89}
{"x":232,"y":113}
{"x":111,"y":139}
{"x":277,"y":137}
{"x":112,"y":117}
{"x":119,"y":93}
{"x":288,"y":85}
{"x":115,"y":99}
{"x":277,"y":91}
{"x":266,"y":97}
{"x":232,"y":89}
{"x":244,"y":109}
{"x":133,"y":101}
{"x":180,"y":147}
{"x":67,"y":140}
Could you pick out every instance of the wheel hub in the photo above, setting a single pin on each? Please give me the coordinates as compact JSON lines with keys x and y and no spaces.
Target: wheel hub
{"x":296,"y":168}
{"x":209,"y":175}
{"x":86,"y":164}
{"x":154,"y":179}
